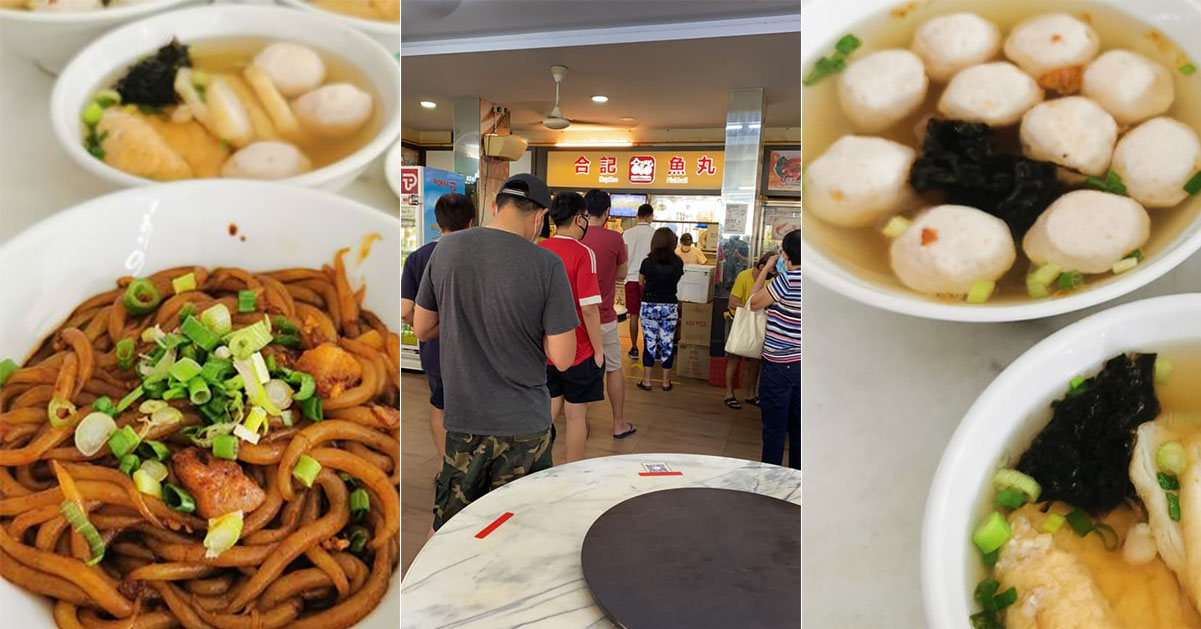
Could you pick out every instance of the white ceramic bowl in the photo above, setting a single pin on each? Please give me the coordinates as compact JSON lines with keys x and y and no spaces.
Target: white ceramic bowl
{"x":77,"y":253}
{"x":1009,"y":412}
{"x":828,"y":20}
{"x":51,"y":39}
{"x":98,"y":63}
{"x":386,"y":33}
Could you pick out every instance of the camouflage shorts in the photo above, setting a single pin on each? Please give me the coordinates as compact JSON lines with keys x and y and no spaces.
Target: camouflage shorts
{"x":477,"y":464}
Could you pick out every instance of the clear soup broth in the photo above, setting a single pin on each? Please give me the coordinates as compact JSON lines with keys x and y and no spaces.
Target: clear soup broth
{"x":865,"y":251}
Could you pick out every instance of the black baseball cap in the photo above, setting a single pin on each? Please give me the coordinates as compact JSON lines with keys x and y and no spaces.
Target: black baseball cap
{"x":527,"y":187}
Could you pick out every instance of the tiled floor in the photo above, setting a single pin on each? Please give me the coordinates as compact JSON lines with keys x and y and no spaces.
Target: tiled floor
{"x":690,"y":418}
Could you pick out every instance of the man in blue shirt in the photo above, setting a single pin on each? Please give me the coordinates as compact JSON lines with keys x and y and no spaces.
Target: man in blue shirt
{"x":454,"y":212}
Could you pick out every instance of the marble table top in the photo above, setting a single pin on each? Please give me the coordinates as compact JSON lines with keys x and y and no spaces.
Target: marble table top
{"x":526,"y":572}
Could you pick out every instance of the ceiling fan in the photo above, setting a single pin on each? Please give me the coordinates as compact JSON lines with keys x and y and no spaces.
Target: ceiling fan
{"x":556,"y":121}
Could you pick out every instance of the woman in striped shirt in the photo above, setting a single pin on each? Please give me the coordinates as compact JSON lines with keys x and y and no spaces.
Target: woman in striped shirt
{"x":780,"y":378}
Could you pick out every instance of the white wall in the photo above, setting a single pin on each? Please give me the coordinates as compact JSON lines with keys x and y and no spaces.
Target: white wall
{"x":445,"y":160}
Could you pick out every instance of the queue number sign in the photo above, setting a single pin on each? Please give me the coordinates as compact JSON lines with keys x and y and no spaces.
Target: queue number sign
{"x":657,"y":170}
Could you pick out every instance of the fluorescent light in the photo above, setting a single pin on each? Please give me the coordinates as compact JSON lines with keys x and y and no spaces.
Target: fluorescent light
{"x":598,"y":143}
{"x":600,"y":99}
{"x":627,"y":119}
{"x":428,"y":104}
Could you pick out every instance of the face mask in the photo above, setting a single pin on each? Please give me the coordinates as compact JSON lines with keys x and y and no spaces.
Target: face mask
{"x":584,"y":229}
{"x":781,"y":267}
{"x":537,"y":230}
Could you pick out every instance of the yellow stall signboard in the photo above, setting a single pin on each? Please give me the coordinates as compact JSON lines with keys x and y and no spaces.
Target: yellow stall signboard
{"x":655,"y":170}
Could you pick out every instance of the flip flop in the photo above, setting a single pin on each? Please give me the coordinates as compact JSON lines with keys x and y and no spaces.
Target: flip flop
{"x":627,"y":433}
{"x":669,"y":387}
{"x":645,"y":387}
{"x":732,"y":402}
{"x":753,"y":401}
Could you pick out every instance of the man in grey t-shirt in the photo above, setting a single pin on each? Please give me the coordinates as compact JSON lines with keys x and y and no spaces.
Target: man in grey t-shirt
{"x":501,"y":307}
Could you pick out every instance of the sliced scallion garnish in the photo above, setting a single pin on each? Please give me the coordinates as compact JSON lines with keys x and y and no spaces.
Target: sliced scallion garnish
{"x":141,"y":297}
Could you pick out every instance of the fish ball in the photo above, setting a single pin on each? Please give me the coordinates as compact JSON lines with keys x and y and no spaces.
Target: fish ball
{"x":1128,"y":85}
{"x":996,"y":94}
{"x":858,"y":181}
{"x":266,"y":160}
{"x":334,"y":110}
{"x":1050,"y":42}
{"x":1156,"y":159}
{"x":1074,"y":132}
{"x":949,"y":248}
{"x":292,"y":68}
{"x":1087,"y":231}
{"x":880,"y":89}
{"x":950,"y":43}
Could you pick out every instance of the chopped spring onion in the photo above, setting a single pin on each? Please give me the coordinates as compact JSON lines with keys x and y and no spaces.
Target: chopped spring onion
{"x":141,"y":297}
{"x":291,"y":341}
{"x":1039,"y":280}
{"x":304,"y":381}
{"x":147,"y":484}
{"x":285,"y":326}
{"x":896,"y":226}
{"x":167,"y":341}
{"x":129,"y":399}
{"x":155,"y":469}
{"x":123,"y":441}
{"x":75,"y":515}
{"x":1167,"y":481}
{"x":827,"y":66}
{"x":1193,"y":186}
{"x":150,"y":406}
{"x":223,"y":353}
{"x":225,"y":447}
{"x":285,"y":416}
{"x":93,"y":432}
{"x":1123,"y":265}
{"x":360,"y":504}
{"x":178,"y":499}
{"x":245,"y":434}
{"x":1011,"y":498}
{"x":262,"y":372}
{"x":124,"y":353}
{"x":1013,"y":479}
{"x":92,"y":113}
{"x":185,"y":369}
{"x":107,"y":98}
{"x":104,"y":404}
{"x":271,"y":366}
{"x":306,"y":470}
{"x":992,"y":533}
{"x":1076,"y":386}
{"x":223,"y":533}
{"x":198,"y":391}
{"x":990,"y":559}
{"x":200,"y":333}
{"x":184,"y":283}
{"x":1006,"y":598}
{"x":60,"y":411}
{"x":983,"y":595}
{"x":216,"y":370}
{"x":245,"y":301}
{"x":7,"y":369}
{"x":358,"y":539}
{"x":1053,"y":523}
{"x":256,"y":419}
{"x":152,"y":335}
{"x":1163,"y":370}
{"x":186,"y":311}
{"x":1188,"y":68}
{"x":154,"y":450}
{"x":279,"y":393}
{"x":176,"y":393}
{"x":128,"y":464}
{"x":310,"y":408}
{"x":1111,"y":184}
{"x":1109,"y":537}
{"x":217,"y":319}
{"x":1080,"y":522}
{"x":160,"y":369}
{"x":1070,"y":280}
{"x":250,"y":339}
{"x":1170,"y":458}
{"x":1173,"y":506}
{"x":981,"y":292}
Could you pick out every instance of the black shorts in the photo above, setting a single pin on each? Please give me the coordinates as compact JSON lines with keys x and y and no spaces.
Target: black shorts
{"x":580,"y":384}
{"x":435,"y":380}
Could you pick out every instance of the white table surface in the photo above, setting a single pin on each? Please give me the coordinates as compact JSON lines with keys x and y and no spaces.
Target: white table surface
{"x":882,"y":394}
{"x":37,"y":178}
{"x":527,"y":572}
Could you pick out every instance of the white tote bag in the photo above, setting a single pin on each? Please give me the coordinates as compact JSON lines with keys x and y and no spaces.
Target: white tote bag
{"x":746,"y":333}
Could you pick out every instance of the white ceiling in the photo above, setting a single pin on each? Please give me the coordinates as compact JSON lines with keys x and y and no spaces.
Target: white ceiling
{"x":424,"y":20}
{"x":664,"y":85}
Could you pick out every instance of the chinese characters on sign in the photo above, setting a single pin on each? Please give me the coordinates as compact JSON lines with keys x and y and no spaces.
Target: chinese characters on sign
{"x":656,"y":170}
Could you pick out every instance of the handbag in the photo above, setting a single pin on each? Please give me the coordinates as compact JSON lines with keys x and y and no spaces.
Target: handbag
{"x":747,"y":332}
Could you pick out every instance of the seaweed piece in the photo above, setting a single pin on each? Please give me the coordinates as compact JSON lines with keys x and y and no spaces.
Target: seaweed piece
{"x":151,"y":81}
{"x":1083,"y":455}
{"x":958,"y":159}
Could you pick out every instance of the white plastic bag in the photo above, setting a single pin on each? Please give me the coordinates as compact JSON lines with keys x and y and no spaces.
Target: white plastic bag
{"x":747,"y":332}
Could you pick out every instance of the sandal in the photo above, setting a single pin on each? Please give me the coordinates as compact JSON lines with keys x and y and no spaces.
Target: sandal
{"x":753,"y":401}
{"x":732,"y":402}
{"x":627,"y":433}
{"x":645,"y":387}
{"x":668,"y":387}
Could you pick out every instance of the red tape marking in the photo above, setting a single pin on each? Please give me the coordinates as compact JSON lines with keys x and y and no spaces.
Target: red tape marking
{"x":660,"y":473}
{"x":492,"y":527}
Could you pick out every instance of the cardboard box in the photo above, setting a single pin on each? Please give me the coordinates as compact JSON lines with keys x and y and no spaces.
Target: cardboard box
{"x":692,"y":361}
{"x":697,"y":284}
{"x":696,"y":322}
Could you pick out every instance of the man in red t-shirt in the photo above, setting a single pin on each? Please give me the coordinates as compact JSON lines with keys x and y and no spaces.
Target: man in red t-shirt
{"x":611,"y":263}
{"x":584,"y":381}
